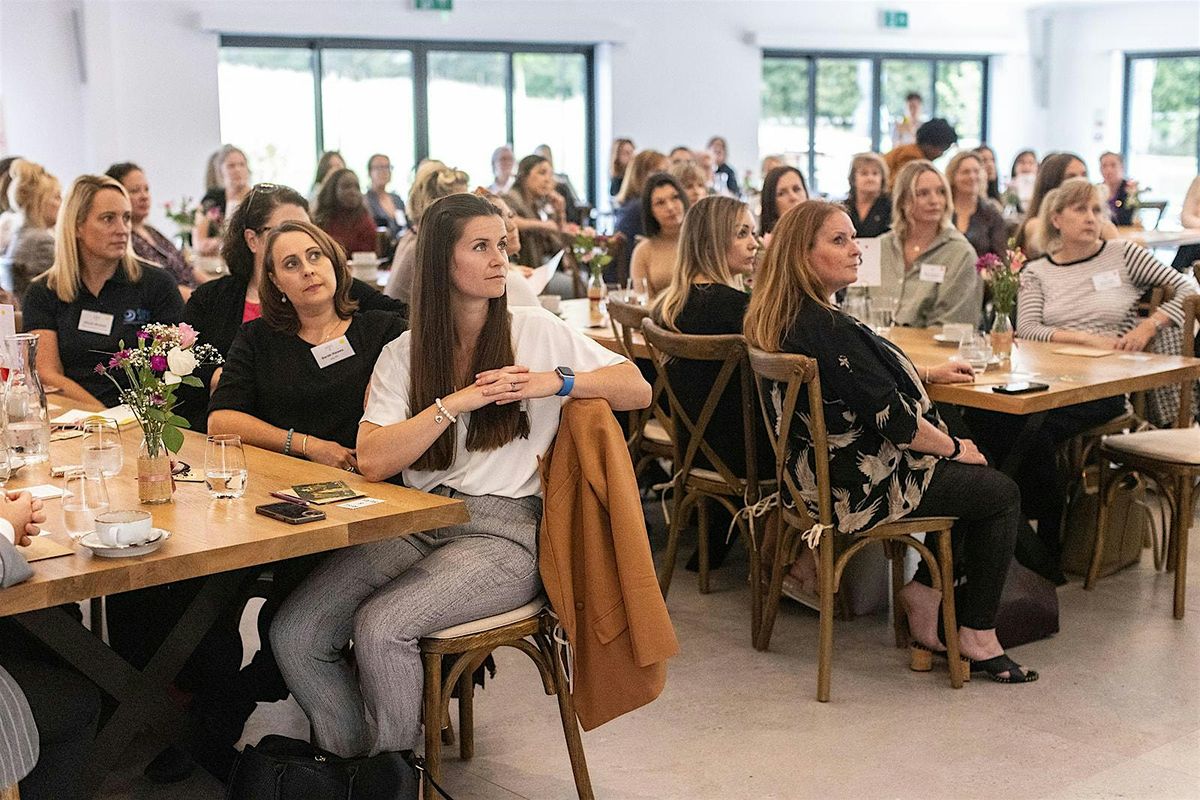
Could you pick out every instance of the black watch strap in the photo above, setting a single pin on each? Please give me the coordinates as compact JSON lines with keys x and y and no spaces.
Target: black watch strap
{"x":957,"y":448}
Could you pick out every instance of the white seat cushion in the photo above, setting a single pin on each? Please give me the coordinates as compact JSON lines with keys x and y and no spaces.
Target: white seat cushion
{"x":530,"y":609}
{"x":655,"y":432}
{"x":1177,"y":445}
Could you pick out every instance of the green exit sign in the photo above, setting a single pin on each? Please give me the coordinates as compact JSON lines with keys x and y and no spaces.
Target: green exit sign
{"x":433,"y":5}
{"x":893,"y":19}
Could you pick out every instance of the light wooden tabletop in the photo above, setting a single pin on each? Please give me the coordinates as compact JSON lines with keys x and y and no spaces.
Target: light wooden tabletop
{"x":1072,"y":379}
{"x":1157,"y":238}
{"x":210,"y":536}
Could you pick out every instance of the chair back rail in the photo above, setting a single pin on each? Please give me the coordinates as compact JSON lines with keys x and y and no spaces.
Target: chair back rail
{"x":730,"y":351}
{"x":1191,"y":313}
{"x":625,"y":319}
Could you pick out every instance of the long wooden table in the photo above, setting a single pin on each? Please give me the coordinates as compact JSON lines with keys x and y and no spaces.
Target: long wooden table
{"x":223,"y":542}
{"x":1157,"y":238}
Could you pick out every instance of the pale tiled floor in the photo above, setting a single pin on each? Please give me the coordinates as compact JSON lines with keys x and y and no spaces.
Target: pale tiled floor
{"x":1115,"y":715}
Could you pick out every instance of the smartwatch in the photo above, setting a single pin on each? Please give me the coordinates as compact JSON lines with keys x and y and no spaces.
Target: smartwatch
{"x":568,"y":378}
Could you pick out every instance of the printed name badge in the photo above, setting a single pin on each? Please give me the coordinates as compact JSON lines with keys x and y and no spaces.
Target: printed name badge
{"x":1107,"y":280}
{"x":332,"y":352}
{"x":96,"y":322}
{"x":933,"y":273}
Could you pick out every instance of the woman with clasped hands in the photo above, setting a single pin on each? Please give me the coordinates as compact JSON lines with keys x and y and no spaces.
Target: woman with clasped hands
{"x":890,"y":455}
{"x":461,"y":405}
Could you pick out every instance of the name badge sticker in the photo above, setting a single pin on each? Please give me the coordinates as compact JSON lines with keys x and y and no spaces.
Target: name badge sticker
{"x":332,"y":352}
{"x":96,"y":322}
{"x":1107,"y":280}
{"x":933,"y":273}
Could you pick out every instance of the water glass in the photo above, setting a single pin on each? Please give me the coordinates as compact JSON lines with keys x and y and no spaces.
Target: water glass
{"x":225,"y":471}
{"x":5,"y":465}
{"x":883,"y":314}
{"x":102,"y":446}
{"x":84,"y":496}
{"x":637,"y":291}
{"x":976,"y":350}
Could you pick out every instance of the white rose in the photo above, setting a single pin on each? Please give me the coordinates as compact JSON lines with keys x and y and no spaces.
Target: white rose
{"x":181,"y":362}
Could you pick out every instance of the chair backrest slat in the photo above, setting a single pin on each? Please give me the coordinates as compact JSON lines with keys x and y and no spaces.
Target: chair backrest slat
{"x":1191,"y":313}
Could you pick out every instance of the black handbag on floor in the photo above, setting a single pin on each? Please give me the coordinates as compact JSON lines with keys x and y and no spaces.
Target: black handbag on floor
{"x":281,"y":768}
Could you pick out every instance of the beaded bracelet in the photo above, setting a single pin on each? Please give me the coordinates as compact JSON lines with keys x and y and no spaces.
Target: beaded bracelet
{"x":287,"y":445}
{"x":442,"y":414}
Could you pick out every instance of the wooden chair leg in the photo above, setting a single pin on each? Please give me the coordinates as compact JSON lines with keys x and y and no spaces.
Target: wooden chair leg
{"x":773,"y":593}
{"x":946,"y":573}
{"x":432,"y":663}
{"x":1182,"y":526}
{"x":756,"y":576}
{"x":674,"y":531}
{"x":466,"y":715}
{"x":10,"y":793}
{"x":570,"y":723}
{"x":1093,"y":572}
{"x":825,"y":636}
{"x":702,"y":541}
{"x":895,"y":553}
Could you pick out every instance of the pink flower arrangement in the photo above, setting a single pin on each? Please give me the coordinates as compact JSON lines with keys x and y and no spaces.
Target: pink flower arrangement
{"x":1002,"y":275}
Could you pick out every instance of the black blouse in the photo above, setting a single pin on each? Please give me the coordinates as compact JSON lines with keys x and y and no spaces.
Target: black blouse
{"x":873,"y":404}
{"x":878,"y":220}
{"x":987,"y":231}
{"x":153,"y":298}
{"x":273,"y":376}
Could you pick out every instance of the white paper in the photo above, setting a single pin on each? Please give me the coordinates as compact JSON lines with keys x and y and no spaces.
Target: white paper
{"x":43,"y":491}
{"x":96,"y":322}
{"x":332,"y":352}
{"x":8,"y":327}
{"x":122,"y":415}
{"x":361,"y":502}
{"x":870,"y":273}
{"x":542,"y":275}
{"x":1106,"y":280}
{"x":933,"y":273}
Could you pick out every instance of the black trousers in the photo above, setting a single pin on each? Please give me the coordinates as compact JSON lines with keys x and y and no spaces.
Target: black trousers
{"x":987,"y":504}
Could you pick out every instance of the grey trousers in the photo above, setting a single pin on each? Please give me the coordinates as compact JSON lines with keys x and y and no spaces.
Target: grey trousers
{"x":387,"y":595}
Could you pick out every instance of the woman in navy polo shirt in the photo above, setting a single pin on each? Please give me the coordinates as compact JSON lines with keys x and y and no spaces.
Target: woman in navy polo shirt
{"x":96,"y":295}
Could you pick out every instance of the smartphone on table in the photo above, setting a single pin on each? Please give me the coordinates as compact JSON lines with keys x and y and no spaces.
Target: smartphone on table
{"x":291,"y":513}
{"x":1021,"y":387}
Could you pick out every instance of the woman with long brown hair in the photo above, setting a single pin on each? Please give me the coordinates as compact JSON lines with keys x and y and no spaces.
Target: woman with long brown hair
{"x":890,"y":455}
{"x":541,"y":211}
{"x":462,"y":405}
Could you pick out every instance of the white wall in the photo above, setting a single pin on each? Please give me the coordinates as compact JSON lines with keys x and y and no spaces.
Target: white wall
{"x":677,"y":71}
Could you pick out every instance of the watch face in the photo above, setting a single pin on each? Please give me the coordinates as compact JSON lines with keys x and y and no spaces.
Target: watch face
{"x":565,"y":371}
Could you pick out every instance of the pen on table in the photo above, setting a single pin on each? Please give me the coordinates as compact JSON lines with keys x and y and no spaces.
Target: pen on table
{"x":290,"y":498}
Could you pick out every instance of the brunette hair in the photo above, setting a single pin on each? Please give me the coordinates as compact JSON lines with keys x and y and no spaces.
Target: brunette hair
{"x":65,"y":277}
{"x":277,"y":312}
{"x":992,"y":185}
{"x":649,"y":223}
{"x":524,"y":169}
{"x":785,"y":279}
{"x":1071,"y":192}
{"x":435,"y":336}
{"x":1120,"y":158}
{"x":1013,"y":172}
{"x":863,"y":160}
{"x":769,"y":214}
{"x":641,"y":166}
{"x":704,"y":241}
{"x":324,"y":164}
{"x":119,"y":171}
{"x":328,"y":207}
{"x":902,"y":195}
{"x":251,"y":215}
{"x":613,"y":169}
{"x":1051,"y":174}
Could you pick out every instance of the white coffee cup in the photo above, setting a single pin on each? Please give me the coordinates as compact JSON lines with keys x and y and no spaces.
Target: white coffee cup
{"x":124,"y":528}
{"x":551,"y":302}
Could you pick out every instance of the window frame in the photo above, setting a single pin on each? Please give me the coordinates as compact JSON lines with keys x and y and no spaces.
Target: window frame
{"x":1127,"y":91}
{"x":877,"y":58}
{"x":420,"y":50}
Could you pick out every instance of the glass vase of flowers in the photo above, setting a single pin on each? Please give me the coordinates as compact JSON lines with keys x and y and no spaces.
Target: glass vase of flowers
{"x":1003,"y":278}
{"x":184,"y":219}
{"x":164,"y":357}
{"x":591,"y":251}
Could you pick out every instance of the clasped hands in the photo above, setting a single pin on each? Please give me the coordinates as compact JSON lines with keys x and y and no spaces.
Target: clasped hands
{"x":510,"y":384}
{"x":24,"y":513}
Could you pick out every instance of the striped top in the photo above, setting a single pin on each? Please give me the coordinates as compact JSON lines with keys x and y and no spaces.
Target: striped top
{"x":1097,"y":294}
{"x":18,"y":735}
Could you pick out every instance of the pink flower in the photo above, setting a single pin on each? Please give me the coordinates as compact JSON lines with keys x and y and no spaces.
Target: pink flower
{"x":100,"y":369}
{"x":143,"y":335}
{"x":187,"y":335}
{"x":987,"y":262}
{"x":158,"y":363}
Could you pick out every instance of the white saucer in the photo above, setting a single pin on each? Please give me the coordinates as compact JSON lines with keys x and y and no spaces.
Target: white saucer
{"x":944,"y":339}
{"x":92,"y":542}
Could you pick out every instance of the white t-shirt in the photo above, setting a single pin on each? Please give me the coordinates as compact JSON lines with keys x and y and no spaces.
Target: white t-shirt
{"x":541,"y":341}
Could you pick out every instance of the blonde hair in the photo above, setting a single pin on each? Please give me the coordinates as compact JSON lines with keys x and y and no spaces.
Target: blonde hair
{"x":64,"y":276}
{"x":785,"y":279}
{"x":868,"y":159}
{"x":954,"y":165}
{"x":640,"y":167}
{"x":688,"y":173}
{"x":433,"y":181}
{"x":704,"y":241}
{"x":902,"y":195}
{"x":30,"y":190}
{"x":1069,"y":193}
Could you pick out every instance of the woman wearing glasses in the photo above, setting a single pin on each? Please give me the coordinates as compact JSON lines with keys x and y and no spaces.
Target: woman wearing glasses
{"x":96,"y":295}
{"x":219,"y":308}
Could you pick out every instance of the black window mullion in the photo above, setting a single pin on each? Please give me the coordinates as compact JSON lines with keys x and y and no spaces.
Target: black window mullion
{"x":876,"y":101}
{"x":984,"y":65}
{"x":508,"y":98}
{"x":812,"y":122}
{"x":318,"y":100}
{"x":421,"y":102}
{"x":593,"y":144}
{"x":933,"y":105}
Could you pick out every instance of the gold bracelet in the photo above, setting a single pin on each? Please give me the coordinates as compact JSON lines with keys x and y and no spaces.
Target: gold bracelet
{"x":304,"y":446}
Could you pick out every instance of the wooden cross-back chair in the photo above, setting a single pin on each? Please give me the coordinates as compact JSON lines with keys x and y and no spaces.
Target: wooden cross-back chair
{"x":648,"y":434}
{"x":1169,"y":457}
{"x":695,"y":485}
{"x":798,"y":374}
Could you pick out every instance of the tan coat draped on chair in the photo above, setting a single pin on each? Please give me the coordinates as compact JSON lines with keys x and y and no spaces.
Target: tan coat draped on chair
{"x":597,"y":568}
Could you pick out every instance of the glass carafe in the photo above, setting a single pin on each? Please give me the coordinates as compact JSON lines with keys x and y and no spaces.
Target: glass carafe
{"x":27,"y":428}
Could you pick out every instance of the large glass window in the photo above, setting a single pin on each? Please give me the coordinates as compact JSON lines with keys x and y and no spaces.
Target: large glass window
{"x":1162,"y":126}
{"x":287,"y":100}
{"x":823,"y":108}
{"x":367,"y":108}
{"x":549,"y":94}
{"x":268,"y":109}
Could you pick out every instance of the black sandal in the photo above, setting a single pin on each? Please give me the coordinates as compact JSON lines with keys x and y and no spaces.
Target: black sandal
{"x":1002,"y":663}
